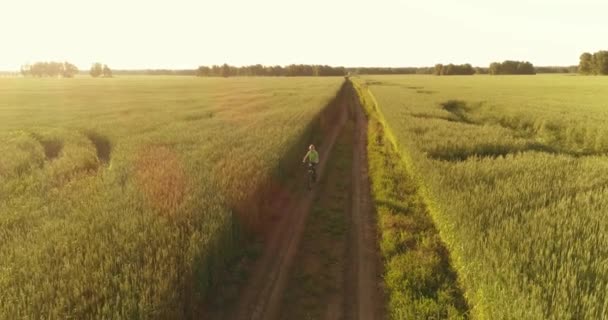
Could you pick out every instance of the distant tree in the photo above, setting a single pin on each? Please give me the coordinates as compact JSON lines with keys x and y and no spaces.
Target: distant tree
{"x":512,"y":67}
{"x":53,"y":69}
{"x":49,"y":69}
{"x":452,"y":69}
{"x":494,"y":68}
{"x":438,"y":69}
{"x":525,"y":68}
{"x":339,"y":71}
{"x":257,"y":70}
{"x":276,"y":71}
{"x":509,"y":67}
{"x":215,"y":71}
{"x":25,"y":70}
{"x":225,"y":70}
{"x":234,"y":71}
{"x":203,"y":71}
{"x":467,"y":69}
{"x":36,"y":69}
{"x":106,"y":72}
{"x":557,"y":69}
{"x":96,"y":70}
{"x":39,"y":69}
{"x":596,"y":63}
{"x":447,"y":70}
{"x":480,"y":70}
{"x":429,"y":70}
{"x":69,"y":70}
{"x":600,"y":63}
{"x":293,"y":70}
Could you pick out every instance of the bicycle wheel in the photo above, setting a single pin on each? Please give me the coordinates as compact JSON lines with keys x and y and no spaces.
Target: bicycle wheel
{"x":310,"y":180}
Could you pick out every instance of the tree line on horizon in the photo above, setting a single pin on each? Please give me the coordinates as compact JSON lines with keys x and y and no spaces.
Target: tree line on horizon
{"x":390,"y":70}
{"x":496,"y":68}
{"x":506,"y":67}
{"x":589,"y":64}
{"x":62,"y":69}
{"x":100,"y":70}
{"x":156,"y":72}
{"x":557,"y":69}
{"x":453,"y":69}
{"x":49,"y":69}
{"x":594,"y":64}
{"x":511,"y":67}
{"x":293,"y":70}
{"x":278,"y":71}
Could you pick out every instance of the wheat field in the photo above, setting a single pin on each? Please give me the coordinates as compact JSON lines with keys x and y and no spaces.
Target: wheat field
{"x":118,"y":197}
{"x":515,"y":172}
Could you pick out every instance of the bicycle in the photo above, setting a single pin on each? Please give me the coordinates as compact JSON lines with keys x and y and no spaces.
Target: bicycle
{"x":312,"y":174}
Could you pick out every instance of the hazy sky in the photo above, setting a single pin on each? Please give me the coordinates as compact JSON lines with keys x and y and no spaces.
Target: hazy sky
{"x":185,"y":34}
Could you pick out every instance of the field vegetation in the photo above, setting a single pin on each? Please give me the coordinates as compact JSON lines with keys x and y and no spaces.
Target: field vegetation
{"x":126,"y":197}
{"x":515,"y":174}
{"x":419,"y":281}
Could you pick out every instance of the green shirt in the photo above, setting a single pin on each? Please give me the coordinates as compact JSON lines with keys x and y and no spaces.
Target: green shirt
{"x":312,"y":156}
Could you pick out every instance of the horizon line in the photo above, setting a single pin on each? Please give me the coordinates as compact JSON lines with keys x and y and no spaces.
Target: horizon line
{"x":285,"y":65}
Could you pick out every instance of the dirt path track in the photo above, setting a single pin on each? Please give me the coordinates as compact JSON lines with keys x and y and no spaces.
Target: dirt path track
{"x":262,"y":297}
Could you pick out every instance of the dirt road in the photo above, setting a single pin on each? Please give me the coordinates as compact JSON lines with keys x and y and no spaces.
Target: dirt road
{"x":262,"y":296}
{"x":361,"y":296}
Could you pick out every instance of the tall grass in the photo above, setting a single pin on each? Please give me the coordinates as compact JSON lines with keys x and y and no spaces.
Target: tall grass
{"x":126,"y":197}
{"x":516,"y":174}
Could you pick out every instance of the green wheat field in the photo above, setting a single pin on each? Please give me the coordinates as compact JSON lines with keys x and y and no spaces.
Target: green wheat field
{"x":117,"y":195}
{"x":514,"y":169}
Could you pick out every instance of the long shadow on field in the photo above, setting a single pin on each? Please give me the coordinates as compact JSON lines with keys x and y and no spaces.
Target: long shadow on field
{"x":458,"y":109}
{"x":243,"y":274}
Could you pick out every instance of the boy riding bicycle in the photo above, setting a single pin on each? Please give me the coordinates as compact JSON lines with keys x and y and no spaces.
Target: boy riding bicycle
{"x":312,"y":156}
